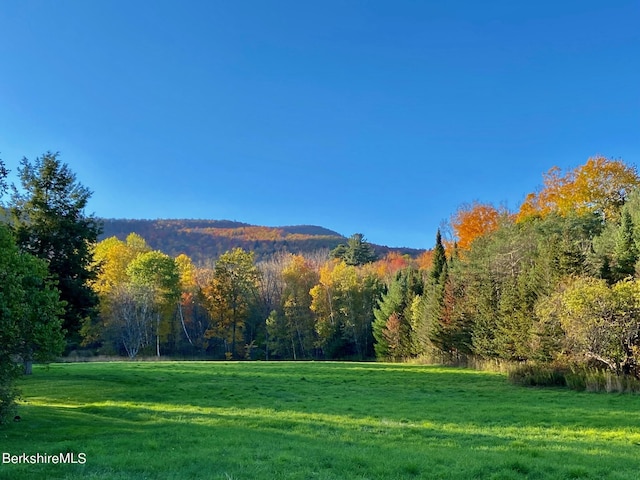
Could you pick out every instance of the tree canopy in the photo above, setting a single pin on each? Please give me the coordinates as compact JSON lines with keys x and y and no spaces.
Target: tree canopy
{"x":600,"y":185}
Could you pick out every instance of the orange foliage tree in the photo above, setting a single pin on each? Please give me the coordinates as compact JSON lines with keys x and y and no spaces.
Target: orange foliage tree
{"x":472,"y":221}
{"x":425,"y":260}
{"x":391,"y":264}
{"x":600,"y":185}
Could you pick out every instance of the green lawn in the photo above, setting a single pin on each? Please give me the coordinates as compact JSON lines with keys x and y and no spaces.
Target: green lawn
{"x":200,"y":420}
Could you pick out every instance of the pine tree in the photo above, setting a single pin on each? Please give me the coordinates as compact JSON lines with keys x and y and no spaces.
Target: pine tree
{"x":394,"y":313}
{"x":50,"y":223}
{"x":625,"y":254}
{"x":357,"y":251}
{"x":439,"y":258}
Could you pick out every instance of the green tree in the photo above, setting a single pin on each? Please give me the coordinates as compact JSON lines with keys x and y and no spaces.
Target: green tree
{"x":439,"y":258}
{"x":625,"y":253}
{"x":230,"y":296}
{"x":343,"y":302}
{"x":441,"y":323}
{"x":159,"y":273}
{"x":30,"y":309}
{"x":50,"y":223}
{"x":393,"y":327}
{"x":3,"y":180}
{"x":449,"y":328}
{"x":600,"y":322}
{"x":357,"y":251}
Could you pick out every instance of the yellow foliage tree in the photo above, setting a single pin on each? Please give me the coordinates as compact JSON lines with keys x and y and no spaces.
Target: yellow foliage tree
{"x":112,"y":257}
{"x":600,"y":186}
{"x":299,"y":278}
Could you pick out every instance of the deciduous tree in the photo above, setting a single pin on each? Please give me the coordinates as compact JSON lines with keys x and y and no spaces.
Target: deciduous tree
{"x":343,"y":302}
{"x":299,"y":278}
{"x":159,"y":273}
{"x":230,"y":295}
{"x":472,"y":221}
{"x":600,"y":185}
{"x":30,"y":311}
{"x":134,"y":313}
{"x":601,"y":322}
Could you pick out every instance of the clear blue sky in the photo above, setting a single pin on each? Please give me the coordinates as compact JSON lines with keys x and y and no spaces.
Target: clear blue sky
{"x":379,"y":117}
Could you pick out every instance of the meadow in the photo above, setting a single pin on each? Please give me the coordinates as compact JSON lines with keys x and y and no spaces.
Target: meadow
{"x":251,"y":420}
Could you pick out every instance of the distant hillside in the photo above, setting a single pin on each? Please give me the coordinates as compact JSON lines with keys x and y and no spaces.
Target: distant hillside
{"x":208,"y":239}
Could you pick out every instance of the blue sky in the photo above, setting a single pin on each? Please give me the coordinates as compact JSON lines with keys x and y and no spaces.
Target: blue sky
{"x":379,"y":117}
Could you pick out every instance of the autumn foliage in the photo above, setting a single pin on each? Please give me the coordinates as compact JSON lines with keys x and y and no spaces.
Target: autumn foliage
{"x":600,"y":185}
{"x":472,"y":221}
{"x":425,"y":260}
{"x":542,"y":285}
{"x":391,"y":264}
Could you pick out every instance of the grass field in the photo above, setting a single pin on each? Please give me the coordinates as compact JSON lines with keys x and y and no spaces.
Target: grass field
{"x":314,"y":421}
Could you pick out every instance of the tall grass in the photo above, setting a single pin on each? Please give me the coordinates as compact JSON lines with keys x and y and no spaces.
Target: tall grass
{"x":577,"y":378}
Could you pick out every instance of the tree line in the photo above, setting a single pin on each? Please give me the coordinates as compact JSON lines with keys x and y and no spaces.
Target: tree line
{"x":289,"y":306}
{"x":554,"y":282}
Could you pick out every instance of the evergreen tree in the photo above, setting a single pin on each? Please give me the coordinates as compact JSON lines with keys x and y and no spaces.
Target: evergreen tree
{"x":3,"y":180}
{"x":393,"y":316}
{"x":436,"y":310}
{"x":357,"y":251}
{"x":390,"y":303}
{"x":442,"y":323}
{"x":626,"y":253}
{"x":439,"y":258}
{"x":50,"y":223}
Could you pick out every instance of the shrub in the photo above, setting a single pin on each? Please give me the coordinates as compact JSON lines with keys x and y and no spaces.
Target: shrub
{"x":537,"y":375}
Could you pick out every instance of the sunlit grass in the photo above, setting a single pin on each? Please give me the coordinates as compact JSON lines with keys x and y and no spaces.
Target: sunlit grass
{"x":315,"y":420}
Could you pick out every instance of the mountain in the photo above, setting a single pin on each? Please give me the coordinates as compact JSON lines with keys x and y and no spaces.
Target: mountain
{"x":202,"y":240}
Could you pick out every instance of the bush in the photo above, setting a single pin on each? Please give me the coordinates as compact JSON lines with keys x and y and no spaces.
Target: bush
{"x":538,"y":375}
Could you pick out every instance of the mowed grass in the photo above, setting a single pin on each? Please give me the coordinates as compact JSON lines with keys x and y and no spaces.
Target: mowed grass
{"x":206,"y":420}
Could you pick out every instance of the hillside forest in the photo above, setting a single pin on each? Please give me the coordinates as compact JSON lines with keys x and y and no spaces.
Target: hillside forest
{"x":204,"y":240}
{"x":552,"y":282}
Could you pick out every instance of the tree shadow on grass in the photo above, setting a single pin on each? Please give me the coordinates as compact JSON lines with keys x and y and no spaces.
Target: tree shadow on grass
{"x":186,"y":441}
{"x":322,"y":420}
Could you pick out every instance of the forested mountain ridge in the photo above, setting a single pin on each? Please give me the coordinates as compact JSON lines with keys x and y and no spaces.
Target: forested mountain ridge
{"x":208,"y":239}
